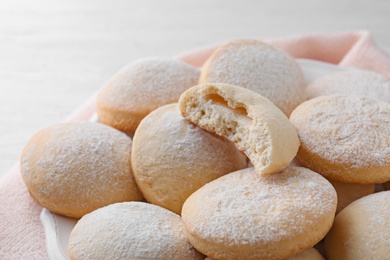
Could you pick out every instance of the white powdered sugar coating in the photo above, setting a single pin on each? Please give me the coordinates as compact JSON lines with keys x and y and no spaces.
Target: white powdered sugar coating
{"x":352,"y":82}
{"x":361,"y":230}
{"x":77,"y":167}
{"x":149,"y":83}
{"x":377,"y":238}
{"x":292,"y":209}
{"x":172,"y":157}
{"x":342,"y":129}
{"x":178,"y":140}
{"x":259,"y":67}
{"x":308,"y":254}
{"x":130,"y":230}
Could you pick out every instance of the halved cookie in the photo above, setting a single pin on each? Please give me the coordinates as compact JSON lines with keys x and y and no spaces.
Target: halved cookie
{"x":251,"y":121}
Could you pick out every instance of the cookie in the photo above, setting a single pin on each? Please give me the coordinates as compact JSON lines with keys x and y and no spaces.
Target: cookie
{"x":252,"y":122}
{"x":141,"y":87}
{"x":243,"y":215}
{"x":74,"y":168}
{"x":172,"y":157}
{"x":345,"y":138}
{"x":352,"y":82}
{"x":308,"y":254}
{"x":130,"y":230}
{"x":257,"y":66}
{"x":361,"y":230}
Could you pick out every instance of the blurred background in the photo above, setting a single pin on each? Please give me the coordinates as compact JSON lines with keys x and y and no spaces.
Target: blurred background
{"x":55,"y":54}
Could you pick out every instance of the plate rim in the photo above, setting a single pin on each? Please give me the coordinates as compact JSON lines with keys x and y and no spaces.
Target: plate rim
{"x":50,"y":226}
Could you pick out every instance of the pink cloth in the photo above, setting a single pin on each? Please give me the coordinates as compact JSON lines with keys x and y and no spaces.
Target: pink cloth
{"x":21,"y":233}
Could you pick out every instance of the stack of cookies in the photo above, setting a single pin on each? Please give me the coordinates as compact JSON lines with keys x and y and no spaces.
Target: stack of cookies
{"x":239,"y":159}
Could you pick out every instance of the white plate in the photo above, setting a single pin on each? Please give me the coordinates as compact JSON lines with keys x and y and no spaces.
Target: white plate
{"x":57,"y":228}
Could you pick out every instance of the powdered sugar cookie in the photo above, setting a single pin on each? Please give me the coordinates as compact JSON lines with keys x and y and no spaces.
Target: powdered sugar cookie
{"x":141,"y":87}
{"x":130,"y":230}
{"x":74,"y":168}
{"x":243,"y":215}
{"x":353,"y":82}
{"x":345,"y":138}
{"x":361,"y":230}
{"x":259,"y":67}
{"x":252,"y":122}
{"x":172,"y":157}
{"x":308,"y":254}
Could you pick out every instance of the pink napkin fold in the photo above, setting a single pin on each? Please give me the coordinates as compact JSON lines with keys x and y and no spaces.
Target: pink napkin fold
{"x":21,"y":233}
{"x":352,"y":49}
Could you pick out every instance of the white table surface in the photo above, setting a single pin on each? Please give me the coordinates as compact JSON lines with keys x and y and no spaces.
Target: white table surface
{"x":54,"y":54}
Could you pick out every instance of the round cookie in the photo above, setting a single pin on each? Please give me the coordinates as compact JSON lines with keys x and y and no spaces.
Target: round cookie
{"x":243,"y":215}
{"x":141,"y":87}
{"x":252,"y":122}
{"x":259,"y":67}
{"x":308,"y":254}
{"x":345,"y":138}
{"x":361,"y":230}
{"x":74,"y":168}
{"x":130,"y":230}
{"x":349,"y":192}
{"x":352,"y":82}
{"x":172,"y":157}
